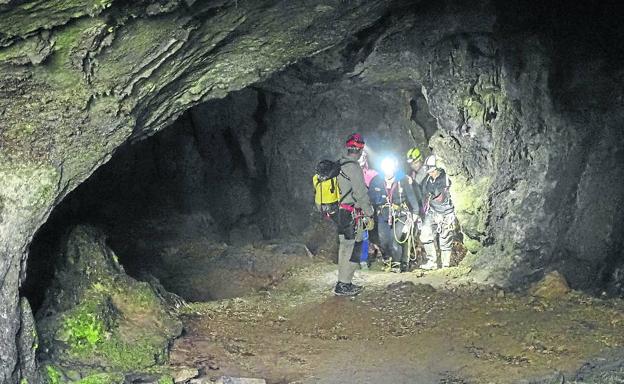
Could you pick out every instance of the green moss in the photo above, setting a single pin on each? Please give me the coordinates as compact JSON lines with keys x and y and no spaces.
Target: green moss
{"x":94,"y":336}
{"x":103,"y":378}
{"x":165,"y":379}
{"x":471,"y":202}
{"x":473,"y":246}
{"x":84,"y":330}
{"x":59,"y":70}
{"x":29,"y":186}
{"x":474,"y":108}
{"x":18,"y":52}
{"x":141,"y":353}
{"x":53,"y":376}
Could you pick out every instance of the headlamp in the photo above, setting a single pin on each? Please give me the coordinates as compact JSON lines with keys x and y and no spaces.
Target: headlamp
{"x":389,"y":165}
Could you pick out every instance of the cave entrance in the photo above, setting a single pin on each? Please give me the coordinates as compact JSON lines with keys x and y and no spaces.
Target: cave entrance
{"x":227,"y":179}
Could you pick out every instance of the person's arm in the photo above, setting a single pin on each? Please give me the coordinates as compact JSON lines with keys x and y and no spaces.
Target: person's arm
{"x":411,"y":198}
{"x":360,"y":192}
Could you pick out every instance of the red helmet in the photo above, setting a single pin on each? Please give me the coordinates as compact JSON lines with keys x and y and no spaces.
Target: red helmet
{"x":355,"y":141}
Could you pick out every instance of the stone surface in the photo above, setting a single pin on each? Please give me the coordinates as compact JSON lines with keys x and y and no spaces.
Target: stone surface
{"x":113,"y":72}
{"x":185,"y":374}
{"x":552,"y":286}
{"x":528,"y":106}
{"x":96,"y":315}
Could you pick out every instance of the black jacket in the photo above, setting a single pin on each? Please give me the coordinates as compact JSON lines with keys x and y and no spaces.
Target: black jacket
{"x":401,"y":194}
{"x":436,"y":193}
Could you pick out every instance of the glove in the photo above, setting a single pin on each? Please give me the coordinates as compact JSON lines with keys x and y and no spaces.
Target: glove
{"x":369,"y":223}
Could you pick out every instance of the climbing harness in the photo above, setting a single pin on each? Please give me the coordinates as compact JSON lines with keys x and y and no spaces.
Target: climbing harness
{"x":399,"y":213}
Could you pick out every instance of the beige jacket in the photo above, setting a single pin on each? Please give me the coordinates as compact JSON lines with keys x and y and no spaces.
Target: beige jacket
{"x":353,"y":190}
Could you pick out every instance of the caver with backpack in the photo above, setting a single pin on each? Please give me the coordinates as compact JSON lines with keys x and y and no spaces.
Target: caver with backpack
{"x":351,"y":211}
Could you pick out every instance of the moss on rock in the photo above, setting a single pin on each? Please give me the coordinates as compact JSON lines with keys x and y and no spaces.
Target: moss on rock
{"x":471,"y":205}
{"x":106,"y":319}
{"x":102,"y":378}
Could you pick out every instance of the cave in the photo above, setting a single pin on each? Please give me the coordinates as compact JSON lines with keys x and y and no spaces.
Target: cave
{"x":158,"y":155}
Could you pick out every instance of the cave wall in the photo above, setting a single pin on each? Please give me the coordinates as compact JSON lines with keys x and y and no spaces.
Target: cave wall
{"x":80,"y":78}
{"x":525,"y":119}
{"x":310,"y":122}
{"x":527,"y":100}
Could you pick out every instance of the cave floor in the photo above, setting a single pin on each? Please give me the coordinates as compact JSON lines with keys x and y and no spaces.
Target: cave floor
{"x":404,"y":328}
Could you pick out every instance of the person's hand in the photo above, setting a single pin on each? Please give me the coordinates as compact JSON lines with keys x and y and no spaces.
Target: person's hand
{"x":369,"y":223}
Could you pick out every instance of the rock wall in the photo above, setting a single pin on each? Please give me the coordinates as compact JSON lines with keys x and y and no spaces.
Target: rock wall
{"x":528,"y":101}
{"x":80,"y":78}
{"x":523,"y":122}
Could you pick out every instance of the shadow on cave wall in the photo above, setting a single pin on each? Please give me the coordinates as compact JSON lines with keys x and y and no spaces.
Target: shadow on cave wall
{"x":202,"y":178}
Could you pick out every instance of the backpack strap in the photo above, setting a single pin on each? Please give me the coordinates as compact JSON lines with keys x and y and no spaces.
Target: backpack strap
{"x":346,"y":177}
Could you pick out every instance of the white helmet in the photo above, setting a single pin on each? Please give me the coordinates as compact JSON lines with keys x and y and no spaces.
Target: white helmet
{"x":430,"y":163}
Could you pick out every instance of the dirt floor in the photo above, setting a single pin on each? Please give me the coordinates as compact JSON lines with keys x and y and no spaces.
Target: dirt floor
{"x":404,"y":328}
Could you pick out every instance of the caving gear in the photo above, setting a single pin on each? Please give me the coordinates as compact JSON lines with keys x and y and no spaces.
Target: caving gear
{"x":396,"y":205}
{"x":430,"y":163}
{"x":368,"y":223}
{"x":439,"y":220}
{"x":395,"y":267}
{"x":437,"y":193}
{"x":355,"y":141}
{"x":418,"y":173}
{"x":326,"y":189}
{"x":414,"y":155}
{"x":354,"y":205}
{"x":353,"y":190}
{"x":347,"y":289}
{"x":389,"y":166}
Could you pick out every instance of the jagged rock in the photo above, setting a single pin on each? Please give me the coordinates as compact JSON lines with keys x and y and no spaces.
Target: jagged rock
{"x":28,"y":344}
{"x":552,"y":286}
{"x":184,"y":374}
{"x":96,"y":315}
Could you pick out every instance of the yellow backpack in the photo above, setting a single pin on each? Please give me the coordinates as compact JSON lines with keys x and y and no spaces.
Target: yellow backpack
{"x":326,"y":189}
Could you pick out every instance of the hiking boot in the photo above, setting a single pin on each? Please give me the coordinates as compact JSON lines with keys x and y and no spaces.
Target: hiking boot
{"x":346,"y":289}
{"x":404,"y":267}
{"x":429,"y":266}
{"x":364,"y":265}
{"x":395,"y":268}
{"x":356,"y":287}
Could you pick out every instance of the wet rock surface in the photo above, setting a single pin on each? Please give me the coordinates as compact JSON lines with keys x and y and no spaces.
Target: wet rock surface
{"x":96,"y":318}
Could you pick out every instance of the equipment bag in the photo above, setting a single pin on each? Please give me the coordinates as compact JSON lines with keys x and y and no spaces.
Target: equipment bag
{"x":325,"y":182}
{"x":326,"y":190}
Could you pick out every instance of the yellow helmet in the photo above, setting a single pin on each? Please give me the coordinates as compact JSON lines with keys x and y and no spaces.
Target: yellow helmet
{"x":414,"y":155}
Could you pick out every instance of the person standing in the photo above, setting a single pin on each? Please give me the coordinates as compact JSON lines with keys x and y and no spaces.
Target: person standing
{"x":439,"y":218}
{"x":417,"y":173}
{"x":354,"y":214}
{"x":368,"y":236}
{"x":396,"y":209}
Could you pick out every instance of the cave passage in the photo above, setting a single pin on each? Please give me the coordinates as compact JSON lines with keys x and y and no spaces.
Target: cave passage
{"x":196,"y":248}
{"x":235,"y":172}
